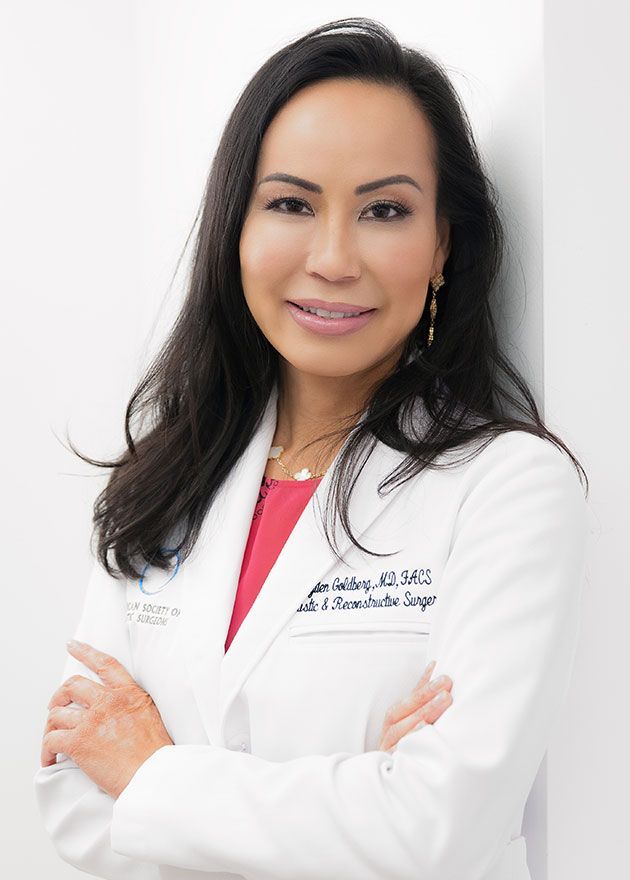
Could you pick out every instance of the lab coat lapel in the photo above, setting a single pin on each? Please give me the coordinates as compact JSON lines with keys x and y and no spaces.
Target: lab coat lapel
{"x":210,"y":574}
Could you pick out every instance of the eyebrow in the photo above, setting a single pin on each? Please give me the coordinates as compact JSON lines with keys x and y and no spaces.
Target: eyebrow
{"x":362,"y":188}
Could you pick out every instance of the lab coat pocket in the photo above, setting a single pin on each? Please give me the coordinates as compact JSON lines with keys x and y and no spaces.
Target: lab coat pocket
{"x":361,"y":632}
{"x":344,"y":676}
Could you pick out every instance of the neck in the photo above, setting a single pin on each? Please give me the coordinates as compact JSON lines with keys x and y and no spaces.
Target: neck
{"x":310,"y":406}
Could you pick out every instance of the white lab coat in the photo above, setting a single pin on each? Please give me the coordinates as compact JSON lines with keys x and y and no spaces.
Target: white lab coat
{"x":275,"y":772}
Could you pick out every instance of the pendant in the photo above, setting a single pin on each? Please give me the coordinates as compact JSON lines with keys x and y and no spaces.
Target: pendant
{"x":275,"y":451}
{"x":304,"y":474}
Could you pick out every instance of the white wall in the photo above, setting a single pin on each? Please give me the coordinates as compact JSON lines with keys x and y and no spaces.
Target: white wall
{"x":113,"y":111}
{"x":69,"y":337}
{"x":587,"y":337}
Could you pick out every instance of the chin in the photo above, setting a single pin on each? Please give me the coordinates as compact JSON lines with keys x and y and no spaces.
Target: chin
{"x":331,"y":368}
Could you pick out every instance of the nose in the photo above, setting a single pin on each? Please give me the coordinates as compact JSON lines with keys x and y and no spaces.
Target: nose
{"x":333,"y":253}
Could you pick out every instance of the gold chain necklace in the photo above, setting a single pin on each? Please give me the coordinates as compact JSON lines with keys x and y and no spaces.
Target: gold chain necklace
{"x":304,"y":474}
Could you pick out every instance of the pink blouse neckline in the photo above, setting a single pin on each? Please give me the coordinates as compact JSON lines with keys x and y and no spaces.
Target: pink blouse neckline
{"x":294,"y":482}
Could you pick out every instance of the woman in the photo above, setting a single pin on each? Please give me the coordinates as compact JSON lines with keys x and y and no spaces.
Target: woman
{"x":336,"y":341}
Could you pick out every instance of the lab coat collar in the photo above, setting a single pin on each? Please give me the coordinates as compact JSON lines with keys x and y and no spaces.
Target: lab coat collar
{"x":210,"y":575}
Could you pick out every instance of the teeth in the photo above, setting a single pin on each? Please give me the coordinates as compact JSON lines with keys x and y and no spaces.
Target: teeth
{"x":323,"y":313}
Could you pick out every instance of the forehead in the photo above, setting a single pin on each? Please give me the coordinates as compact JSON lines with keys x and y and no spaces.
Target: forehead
{"x":339,"y":128}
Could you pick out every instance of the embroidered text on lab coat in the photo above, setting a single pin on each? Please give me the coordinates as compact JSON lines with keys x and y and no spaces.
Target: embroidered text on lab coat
{"x":150,"y":613}
{"x":382,"y":592}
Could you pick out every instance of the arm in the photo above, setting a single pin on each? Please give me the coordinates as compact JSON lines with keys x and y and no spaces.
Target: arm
{"x":77,"y":814}
{"x":441,"y":807}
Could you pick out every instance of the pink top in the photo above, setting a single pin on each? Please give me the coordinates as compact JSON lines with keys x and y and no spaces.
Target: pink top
{"x":278,"y":508}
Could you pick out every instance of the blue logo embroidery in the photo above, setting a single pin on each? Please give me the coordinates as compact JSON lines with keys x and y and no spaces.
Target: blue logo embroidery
{"x":167,"y":581}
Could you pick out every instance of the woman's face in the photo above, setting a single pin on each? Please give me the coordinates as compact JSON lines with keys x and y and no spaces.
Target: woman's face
{"x":320,"y":239}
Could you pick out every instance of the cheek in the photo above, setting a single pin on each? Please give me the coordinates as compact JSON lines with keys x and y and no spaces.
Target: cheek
{"x":264,"y":256}
{"x":403,"y":276}
{"x":405,"y":259}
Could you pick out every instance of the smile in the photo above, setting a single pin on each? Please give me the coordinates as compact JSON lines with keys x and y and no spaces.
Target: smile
{"x":324,"y":313}
{"x":328,"y":323}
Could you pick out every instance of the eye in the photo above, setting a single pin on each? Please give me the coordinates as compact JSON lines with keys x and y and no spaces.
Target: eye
{"x":401,"y":210}
{"x":273,"y":204}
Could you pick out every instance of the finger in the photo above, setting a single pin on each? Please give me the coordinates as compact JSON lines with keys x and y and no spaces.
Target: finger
{"x":423,"y":692}
{"x":401,"y":711}
{"x":77,"y":689}
{"x":398,"y":710}
{"x":431,"y":711}
{"x":426,"y":675}
{"x":110,"y":670}
{"x":63,"y":718}
{"x":55,"y":742}
{"x":428,"y":713}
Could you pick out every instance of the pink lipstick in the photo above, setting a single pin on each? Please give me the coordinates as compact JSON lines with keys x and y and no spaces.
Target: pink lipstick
{"x":329,"y":326}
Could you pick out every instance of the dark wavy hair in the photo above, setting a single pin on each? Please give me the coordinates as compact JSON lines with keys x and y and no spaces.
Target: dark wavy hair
{"x":204,"y":400}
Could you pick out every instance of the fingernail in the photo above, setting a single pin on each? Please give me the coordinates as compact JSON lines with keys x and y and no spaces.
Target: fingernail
{"x":72,"y":643}
{"x":438,"y":698}
{"x":439,"y":682}
{"x":418,"y":726}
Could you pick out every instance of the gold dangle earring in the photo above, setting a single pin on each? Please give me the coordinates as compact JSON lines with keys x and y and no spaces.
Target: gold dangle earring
{"x":436,"y":282}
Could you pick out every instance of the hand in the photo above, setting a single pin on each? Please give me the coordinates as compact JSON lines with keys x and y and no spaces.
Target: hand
{"x":417,"y":710}
{"x":114,"y":730}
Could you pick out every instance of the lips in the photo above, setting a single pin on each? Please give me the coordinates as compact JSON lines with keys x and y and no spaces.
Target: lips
{"x":312,"y":322}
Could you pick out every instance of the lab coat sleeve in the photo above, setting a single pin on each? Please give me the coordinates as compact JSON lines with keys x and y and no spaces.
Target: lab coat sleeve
{"x":76,"y":813}
{"x":442,"y":805}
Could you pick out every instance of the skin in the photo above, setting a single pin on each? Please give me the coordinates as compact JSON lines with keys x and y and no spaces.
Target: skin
{"x":334,"y":245}
{"x":426,"y":703}
{"x":113,"y":731}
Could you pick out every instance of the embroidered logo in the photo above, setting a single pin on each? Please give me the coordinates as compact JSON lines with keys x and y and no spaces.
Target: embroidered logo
{"x":152,"y":592}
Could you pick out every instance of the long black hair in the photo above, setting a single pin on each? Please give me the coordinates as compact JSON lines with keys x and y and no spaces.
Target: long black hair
{"x":203,"y":399}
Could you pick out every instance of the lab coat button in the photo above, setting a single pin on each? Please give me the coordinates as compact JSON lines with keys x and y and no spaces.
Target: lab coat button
{"x":244,"y":747}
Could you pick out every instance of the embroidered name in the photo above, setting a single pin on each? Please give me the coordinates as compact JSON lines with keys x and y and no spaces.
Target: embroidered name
{"x":379,"y":593}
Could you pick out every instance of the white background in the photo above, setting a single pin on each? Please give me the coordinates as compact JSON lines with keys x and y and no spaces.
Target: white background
{"x":111,"y":112}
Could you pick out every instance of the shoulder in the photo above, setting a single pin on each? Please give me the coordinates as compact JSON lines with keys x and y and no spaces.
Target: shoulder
{"x":520,"y":451}
{"x":510,"y":451}
{"x":523,"y":470}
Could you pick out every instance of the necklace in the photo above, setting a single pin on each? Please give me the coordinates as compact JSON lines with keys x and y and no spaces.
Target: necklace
{"x":304,"y":474}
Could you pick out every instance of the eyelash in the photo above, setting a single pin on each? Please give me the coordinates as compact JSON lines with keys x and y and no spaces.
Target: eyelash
{"x":403,"y":209}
